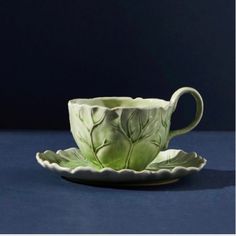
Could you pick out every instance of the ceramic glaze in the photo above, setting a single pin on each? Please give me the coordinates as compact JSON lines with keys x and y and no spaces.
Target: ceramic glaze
{"x":167,"y":167}
{"x":126,"y":133}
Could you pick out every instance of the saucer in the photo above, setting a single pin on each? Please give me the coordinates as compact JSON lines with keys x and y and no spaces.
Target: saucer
{"x":168,"y":167}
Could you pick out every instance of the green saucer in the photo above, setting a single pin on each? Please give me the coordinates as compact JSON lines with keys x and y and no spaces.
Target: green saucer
{"x":167,"y":167}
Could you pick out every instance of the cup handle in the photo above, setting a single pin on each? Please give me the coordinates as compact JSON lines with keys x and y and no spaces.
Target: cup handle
{"x":199,"y":109}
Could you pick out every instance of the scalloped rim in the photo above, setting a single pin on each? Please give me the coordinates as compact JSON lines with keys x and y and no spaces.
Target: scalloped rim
{"x":168,"y":104}
{"x":57,"y":168}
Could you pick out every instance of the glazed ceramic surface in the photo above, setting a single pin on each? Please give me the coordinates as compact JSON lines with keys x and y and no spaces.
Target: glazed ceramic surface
{"x":168,"y":166}
{"x":125,"y":133}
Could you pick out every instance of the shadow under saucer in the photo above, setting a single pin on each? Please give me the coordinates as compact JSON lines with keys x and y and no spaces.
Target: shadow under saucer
{"x":206,"y":179}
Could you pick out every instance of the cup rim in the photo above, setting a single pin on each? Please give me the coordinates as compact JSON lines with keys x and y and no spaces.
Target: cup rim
{"x":164,"y":104}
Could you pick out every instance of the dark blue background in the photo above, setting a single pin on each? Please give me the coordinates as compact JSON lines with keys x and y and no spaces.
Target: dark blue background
{"x":52,"y":51}
{"x":35,"y":200}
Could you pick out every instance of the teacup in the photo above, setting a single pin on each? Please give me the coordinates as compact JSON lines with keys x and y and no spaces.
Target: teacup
{"x":126,"y":133}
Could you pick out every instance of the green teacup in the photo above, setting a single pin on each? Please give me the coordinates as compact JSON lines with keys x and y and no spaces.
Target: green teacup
{"x":126,"y":133}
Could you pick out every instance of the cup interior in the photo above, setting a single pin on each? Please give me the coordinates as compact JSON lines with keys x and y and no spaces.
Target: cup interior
{"x":121,"y":102}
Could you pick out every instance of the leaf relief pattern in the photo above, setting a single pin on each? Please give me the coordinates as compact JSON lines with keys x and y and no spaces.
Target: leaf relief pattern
{"x":134,"y":125}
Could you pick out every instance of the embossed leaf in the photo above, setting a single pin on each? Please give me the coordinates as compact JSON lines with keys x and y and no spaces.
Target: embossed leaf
{"x":97,"y":115}
{"x":172,"y":158}
{"x":83,"y":115}
{"x":70,"y":158}
{"x":125,"y":115}
{"x":136,"y":124}
{"x":150,"y":125}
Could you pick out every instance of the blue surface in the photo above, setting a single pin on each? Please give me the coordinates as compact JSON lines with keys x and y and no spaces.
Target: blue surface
{"x":34,"y":200}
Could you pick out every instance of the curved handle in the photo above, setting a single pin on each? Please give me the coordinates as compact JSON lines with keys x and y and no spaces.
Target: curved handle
{"x":199,"y":109}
